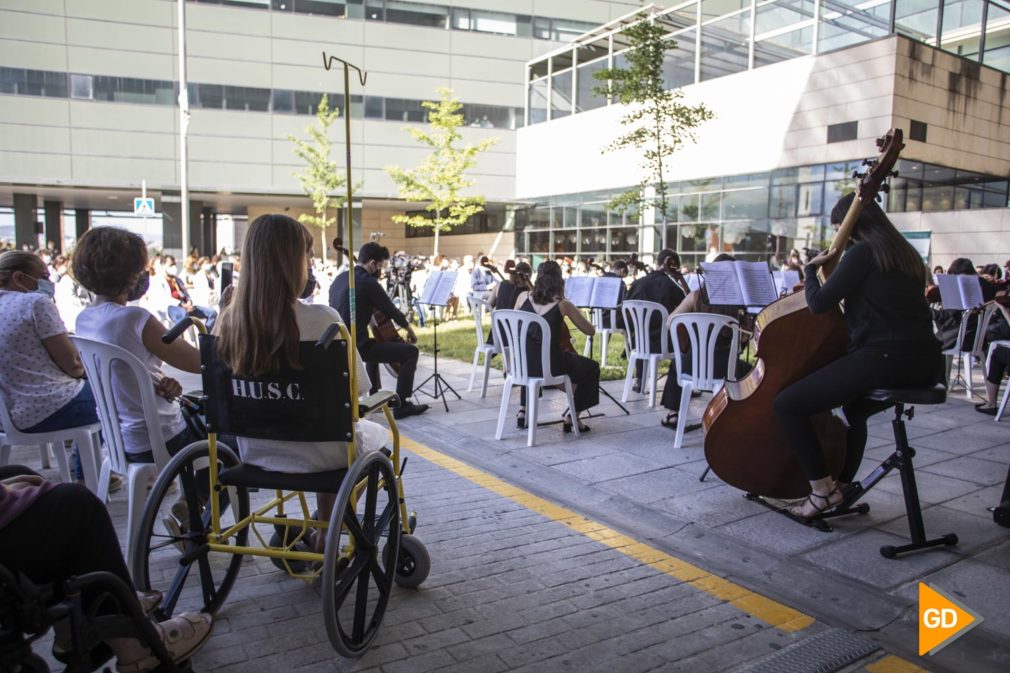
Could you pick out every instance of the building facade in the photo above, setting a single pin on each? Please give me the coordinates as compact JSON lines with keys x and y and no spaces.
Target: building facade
{"x":88,"y":106}
{"x":799,"y":92}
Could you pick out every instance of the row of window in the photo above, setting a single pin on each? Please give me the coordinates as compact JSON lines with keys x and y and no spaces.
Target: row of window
{"x":26,"y":82}
{"x":424,"y":14}
{"x":487,"y":222}
{"x":715,"y":38}
{"x":743,"y":213}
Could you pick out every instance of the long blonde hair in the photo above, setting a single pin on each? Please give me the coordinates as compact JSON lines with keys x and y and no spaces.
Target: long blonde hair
{"x":257,"y":332}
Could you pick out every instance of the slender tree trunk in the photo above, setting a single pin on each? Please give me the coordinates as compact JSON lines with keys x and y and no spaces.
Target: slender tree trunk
{"x":438,"y":225}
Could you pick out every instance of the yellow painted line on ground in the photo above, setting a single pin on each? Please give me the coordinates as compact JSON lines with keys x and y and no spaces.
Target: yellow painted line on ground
{"x":893,"y":664}
{"x":767,"y":610}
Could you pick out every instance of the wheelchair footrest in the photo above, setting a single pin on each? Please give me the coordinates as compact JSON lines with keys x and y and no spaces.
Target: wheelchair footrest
{"x":367,"y":405}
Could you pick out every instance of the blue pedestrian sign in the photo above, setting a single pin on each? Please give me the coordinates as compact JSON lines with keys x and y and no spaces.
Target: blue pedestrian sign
{"x":143,"y":207}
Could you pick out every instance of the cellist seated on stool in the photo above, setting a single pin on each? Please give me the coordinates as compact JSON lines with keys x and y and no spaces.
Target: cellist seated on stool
{"x":881,"y":279}
{"x":369,"y":296}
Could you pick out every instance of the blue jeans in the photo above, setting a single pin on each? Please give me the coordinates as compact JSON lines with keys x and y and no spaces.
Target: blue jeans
{"x":205,"y":313}
{"x":77,"y":412}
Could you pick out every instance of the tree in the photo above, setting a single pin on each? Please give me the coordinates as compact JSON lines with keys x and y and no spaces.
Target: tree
{"x":657,"y":122}
{"x":440,"y":179}
{"x":321,"y":180}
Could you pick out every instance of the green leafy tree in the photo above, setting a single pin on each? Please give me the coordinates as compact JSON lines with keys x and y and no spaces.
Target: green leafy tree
{"x":321,"y":180}
{"x":657,"y":123}
{"x":440,"y":180}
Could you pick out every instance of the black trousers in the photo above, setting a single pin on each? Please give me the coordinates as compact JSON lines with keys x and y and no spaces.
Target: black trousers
{"x":998,"y":366}
{"x":66,"y":532}
{"x":404,"y":354}
{"x":841,"y":384}
{"x":672,"y":390}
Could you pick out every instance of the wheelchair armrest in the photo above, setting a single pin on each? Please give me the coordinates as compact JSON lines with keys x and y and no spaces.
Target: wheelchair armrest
{"x":372,"y":403}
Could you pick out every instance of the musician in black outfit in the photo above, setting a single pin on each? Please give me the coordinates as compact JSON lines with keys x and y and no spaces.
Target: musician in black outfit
{"x":881,"y":279}
{"x":619,"y":269}
{"x":369,"y":296}
{"x":505,"y":293}
{"x":664,"y":286}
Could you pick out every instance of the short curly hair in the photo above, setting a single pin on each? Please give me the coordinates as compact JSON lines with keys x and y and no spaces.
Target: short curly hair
{"x":107,"y":260}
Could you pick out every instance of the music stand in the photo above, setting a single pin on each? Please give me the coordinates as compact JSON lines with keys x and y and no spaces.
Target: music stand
{"x":596,"y":293}
{"x":437,"y":289}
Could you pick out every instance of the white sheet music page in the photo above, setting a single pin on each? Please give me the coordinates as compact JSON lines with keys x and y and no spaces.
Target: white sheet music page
{"x":606,"y":292}
{"x":950,"y":291}
{"x":722,"y":284}
{"x":756,"y":283}
{"x":971,"y":291}
{"x":578,"y":290}
{"x":438,"y":288}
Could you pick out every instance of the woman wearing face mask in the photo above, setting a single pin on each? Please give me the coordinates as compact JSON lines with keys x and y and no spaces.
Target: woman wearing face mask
{"x":41,"y":375}
{"x":112,"y":264}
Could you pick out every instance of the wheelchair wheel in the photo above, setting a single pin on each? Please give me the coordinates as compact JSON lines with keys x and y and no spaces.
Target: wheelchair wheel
{"x":170,"y":553}
{"x":356,"y":580}
{"x":412,"y":563}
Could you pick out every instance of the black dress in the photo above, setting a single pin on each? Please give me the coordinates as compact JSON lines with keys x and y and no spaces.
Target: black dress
{"x":584,"y":373}
{"x":505,"y":299}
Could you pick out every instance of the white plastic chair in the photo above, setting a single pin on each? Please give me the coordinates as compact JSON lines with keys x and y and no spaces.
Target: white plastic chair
{"x":970,"y":358}
{"x":602,"y":332}
{"x":86,"y":437}
{"x":516,"y":326}
{"x":702,"y":330}
{"x":99,"y":359}
{"x":1006,"y":392}
{"x":477,"y":307}
{"x":637,"y":318}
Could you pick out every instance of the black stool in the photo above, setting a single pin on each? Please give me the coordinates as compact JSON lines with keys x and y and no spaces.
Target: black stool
{"x":902,"y":460}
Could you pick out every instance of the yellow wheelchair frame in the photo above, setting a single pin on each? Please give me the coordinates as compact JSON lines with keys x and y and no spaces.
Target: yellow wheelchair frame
{"x":351,"y":562}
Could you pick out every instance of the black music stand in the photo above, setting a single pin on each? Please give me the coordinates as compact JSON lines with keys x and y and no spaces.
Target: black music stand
{"x":436,"y":293}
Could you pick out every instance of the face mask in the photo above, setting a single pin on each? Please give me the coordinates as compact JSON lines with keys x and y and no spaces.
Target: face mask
{"x":172,"y":270}
{"x":46,"y":287}
{"x":140,"y":289}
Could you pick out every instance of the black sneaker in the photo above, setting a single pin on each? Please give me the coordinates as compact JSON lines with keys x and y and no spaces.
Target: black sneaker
{"x":409,"y":409}
{"x":637,"y":387}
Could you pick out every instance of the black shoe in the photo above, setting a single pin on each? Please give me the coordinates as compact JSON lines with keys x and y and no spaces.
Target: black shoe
{"x":521,"y":420}
{"x":409,"y":409}
{"x":991,"y":411}
{"x":637,"y":387}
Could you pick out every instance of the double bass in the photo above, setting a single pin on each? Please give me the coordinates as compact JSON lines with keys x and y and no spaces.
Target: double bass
{"x":743,"y":443}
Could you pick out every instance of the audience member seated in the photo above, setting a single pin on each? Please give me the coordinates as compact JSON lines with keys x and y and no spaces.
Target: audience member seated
{"x":52,"y":532}
{"x":112,"y":263}
{"x":259,"y":332}
{"x":546,"y":299}
{"x":41,"y":375}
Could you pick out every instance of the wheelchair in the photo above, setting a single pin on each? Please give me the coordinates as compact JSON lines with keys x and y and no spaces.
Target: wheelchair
{"x":29,"y":610}
{"x":191,"y":543}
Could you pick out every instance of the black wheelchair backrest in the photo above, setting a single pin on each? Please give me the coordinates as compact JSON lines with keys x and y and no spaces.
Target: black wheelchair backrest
{"x":311,"y":404}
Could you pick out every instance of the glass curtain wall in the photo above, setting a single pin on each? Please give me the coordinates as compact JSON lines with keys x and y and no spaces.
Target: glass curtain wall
{"x":755,"y":216}
{"x":721,"y":37}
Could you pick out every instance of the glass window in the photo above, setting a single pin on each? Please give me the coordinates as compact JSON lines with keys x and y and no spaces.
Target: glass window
{"x":373,"y":107}
{"x":784,"y":46}
{"x":82,"y":86}
{"x":845,"y":24}
{"x":563,"y":30}
{"x":375,"y":10}
{"x":810,"y":199}
{"x":585,"y":97}
{"x":539,"y":241}
{"x":783,"y":202}
{"x":403,"y":110}
{"x":724,"y":46}
{"x":135,"y":90}
{"x":916,"y":18}
{"x":623,"y":239}
{"x":538,"y":101}
{"x":561,"y":94}
{"x":416,"y":14}
{"x":678,"y":63}
{"x":210,"y":95}
{"x":247,"y":98}
{"x":494,"y":22}
{"x":541,"y":28}
{"x":997,"y":48}
{"x":282,"y":101}
{"x":355,"y":9}
{"x":460,"y":18}
{"x":323,"y":7}
{"x":488,"y":116}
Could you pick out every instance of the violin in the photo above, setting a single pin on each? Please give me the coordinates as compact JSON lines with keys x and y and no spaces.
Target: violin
{"x":494,"y":269}
{"x":743,"y":444}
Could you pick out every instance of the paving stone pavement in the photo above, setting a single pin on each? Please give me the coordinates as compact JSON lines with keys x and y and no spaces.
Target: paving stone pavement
{"x":516,"y":589}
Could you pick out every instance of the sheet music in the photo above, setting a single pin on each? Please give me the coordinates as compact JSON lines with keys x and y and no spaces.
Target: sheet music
{"x":438,"y":287}
{"x":578,"y":290}
{"x":722,"y":284}
{"x":693,"y":281}
{"x":959,"y":292}
{"x":756,"y":283}
{"x":786,"y":280}
{"x":589,"y":292}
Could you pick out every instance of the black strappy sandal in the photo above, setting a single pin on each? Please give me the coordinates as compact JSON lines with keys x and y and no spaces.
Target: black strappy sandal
{"x":819,"y":509}
{"x":670,"y":421}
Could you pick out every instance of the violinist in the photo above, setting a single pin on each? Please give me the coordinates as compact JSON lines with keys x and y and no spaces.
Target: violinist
{"x":547,"y":299}
{"x":481,"y":278}
{"x":369,"y":296}
{"x":505,"y":293}
{"x":881,"y":279}
{"x":664,"y":286}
